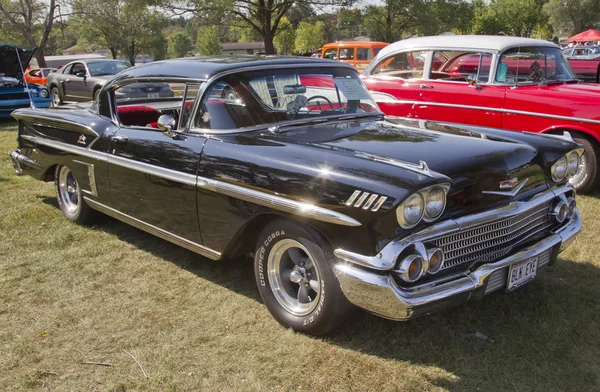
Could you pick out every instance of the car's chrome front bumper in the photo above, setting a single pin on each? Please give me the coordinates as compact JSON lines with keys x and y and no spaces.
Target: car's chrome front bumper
{"x":375,"y":290}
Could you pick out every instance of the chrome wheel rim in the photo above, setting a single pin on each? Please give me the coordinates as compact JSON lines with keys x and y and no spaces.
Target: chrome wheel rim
{"x":68,"y":189}
{"x":294,"y":277}
{"x":579,"y":177}
{"x":55,"y":97}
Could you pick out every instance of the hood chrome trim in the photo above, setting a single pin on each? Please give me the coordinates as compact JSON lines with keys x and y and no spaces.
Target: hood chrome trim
{"x":512,"y":193}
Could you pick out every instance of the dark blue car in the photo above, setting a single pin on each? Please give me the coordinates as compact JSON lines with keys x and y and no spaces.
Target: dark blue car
{"x":15,"y":93}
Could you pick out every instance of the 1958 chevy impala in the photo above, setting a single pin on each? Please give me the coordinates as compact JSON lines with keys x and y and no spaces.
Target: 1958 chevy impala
{"x":290,"y":160}
{"x":513,"y":83}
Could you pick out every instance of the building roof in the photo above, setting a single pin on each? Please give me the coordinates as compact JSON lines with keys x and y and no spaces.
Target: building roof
{"x":482,"y":42}
{"x":205,"y":67}
{"x":243,"y":45}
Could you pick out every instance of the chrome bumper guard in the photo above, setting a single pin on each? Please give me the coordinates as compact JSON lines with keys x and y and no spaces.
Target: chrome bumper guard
{"x":375,"y":290}
{"x":18,"y":159}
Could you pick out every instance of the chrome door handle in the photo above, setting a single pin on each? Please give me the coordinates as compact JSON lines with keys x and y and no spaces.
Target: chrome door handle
{"x":119,"y":139}
{"x":429,"y":86}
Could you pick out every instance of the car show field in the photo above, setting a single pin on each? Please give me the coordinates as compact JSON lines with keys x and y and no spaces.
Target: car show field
{"x":74,"y":298}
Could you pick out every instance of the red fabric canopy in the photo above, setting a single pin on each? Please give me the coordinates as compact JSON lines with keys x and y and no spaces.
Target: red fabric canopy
{"x":590,"y":35}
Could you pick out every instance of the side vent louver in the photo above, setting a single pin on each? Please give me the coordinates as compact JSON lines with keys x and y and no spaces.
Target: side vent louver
{"x":366,"y":200}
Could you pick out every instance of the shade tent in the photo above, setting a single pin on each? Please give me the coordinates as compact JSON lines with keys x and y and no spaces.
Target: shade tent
{"x":586,"y":36}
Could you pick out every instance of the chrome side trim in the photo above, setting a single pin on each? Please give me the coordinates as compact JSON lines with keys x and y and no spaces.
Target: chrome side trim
{"x":489,"y":109}
{"x":512,"y":193}
{"x":91,"y":177}
{"x":36,"y":119}
{"x":185,"y":243}
{"x":240,"y":192}
{"x":386,"y":258}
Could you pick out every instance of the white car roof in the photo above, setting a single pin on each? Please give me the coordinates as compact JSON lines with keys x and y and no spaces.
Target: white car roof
{"x":480,"y":42}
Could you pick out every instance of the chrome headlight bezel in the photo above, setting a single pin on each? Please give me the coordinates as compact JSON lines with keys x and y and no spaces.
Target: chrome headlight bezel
{"x":564,"y":168}
{"x":44,"y":93}
{"x":424,"y":195}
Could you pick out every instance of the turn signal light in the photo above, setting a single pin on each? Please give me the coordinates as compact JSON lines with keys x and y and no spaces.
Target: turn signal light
{"x":560,"y":211}
{"x":436,"y":260}
{"x":411,"y":268}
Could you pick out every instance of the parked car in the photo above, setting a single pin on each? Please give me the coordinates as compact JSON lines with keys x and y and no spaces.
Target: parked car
{"x":586,"y":69}
{"x":358,"y":53}
{"x":586,"y":52}
{"x":290,"y":160}
{"x":513,"y":83}
{"x":15,"y":93}
{"x":81,"y":80}
{"x":38,"y":75}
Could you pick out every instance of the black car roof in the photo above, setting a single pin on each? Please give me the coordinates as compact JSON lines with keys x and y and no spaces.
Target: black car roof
{"x":205,"y":67}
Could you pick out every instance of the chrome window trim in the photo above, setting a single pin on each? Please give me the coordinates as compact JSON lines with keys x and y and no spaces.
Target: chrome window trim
{"x":157,"y":231}
{"x":263,"y":198}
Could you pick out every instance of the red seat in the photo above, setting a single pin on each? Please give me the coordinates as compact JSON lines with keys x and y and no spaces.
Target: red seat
{"x":137,"y":115}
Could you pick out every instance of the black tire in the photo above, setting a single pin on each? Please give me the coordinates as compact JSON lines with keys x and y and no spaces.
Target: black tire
{"x":71,"y":203}
{"x":329,"y":307}
{"x":55,"y":95}
{"x":588,"y":181}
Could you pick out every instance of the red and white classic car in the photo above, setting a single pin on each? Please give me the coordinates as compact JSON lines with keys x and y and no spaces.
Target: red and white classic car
{"x":512,"y":83}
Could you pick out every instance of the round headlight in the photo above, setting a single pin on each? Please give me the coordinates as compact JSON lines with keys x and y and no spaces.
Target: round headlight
{"x":411,"y":211}
{"x":411,"y":268}
{"x":435,"y":201}
{"x":559,"y":169}
{"x":44,"y":93}
{"x":572,"y":163}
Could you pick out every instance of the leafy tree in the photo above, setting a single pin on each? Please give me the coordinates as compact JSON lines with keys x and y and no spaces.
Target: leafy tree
{"x":264,"y":16}
{"x":395,"y":19}
{"x":510,"y":17}
{"x":309,"y":36}
{"x":573,"y":16}
{"x":179,"y":45}
{"x":285,"y":38}
{"x":141,"y":29}
{"x":243,"y":34}
{"x":31,"y":18}
{"x":208,"y":42}
{"x":99,"y":23}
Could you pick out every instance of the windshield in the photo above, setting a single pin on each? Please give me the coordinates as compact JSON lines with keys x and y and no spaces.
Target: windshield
{"x":250,"y":99}
{"x":106,"y":67}
{"x":533,"y":65}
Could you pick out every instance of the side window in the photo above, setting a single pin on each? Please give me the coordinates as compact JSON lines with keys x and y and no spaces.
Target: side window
{"x":405,"y":65}
{"x":67,"y":69}
{"x":363,"y":54}
{"x":140,"y":104}
{"x":222,"y":108}
{"x":35,"y":73}
{"x":77,"y":67}
{"x":347,"y":54}
{"x":190,"y":93}
{"x":331,"y":54}
{"x":462,"y":67}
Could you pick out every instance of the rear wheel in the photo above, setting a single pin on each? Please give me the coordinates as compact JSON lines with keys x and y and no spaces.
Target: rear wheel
{"x":55,"y":94}
{"x":293,"y":268}
{"x":587,"y":177}
{"x":69,"y":195}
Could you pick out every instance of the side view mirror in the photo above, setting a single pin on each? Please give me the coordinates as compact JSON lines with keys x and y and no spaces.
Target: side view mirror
{"x":166,"y":123}
{"x":473,"y":82}
{"x":81,"y":74}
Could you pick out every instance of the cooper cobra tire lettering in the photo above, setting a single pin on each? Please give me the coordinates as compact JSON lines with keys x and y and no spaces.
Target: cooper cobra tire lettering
{"x":305,"y":316}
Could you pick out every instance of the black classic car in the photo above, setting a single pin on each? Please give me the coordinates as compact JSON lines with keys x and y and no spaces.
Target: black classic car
{"x":291,"y":161}
{"x":81,"y":80}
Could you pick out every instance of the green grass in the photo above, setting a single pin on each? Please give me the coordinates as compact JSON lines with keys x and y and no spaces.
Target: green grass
{"x":70,"y":294}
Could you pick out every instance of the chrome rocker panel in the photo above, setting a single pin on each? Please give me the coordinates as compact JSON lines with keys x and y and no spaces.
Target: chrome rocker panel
{"x":377,"y":292}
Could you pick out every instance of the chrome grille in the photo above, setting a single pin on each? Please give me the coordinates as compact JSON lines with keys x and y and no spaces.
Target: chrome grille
{"x":490,"y":241}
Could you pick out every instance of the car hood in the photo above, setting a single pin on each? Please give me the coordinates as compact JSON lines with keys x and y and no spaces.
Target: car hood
{"x":475,"y":163}
{"x":9,"y":60}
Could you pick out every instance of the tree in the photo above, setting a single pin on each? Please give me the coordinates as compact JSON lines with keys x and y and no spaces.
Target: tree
{"x":573,"y":16}
{"x":510,"y":17}
{"x":285,"y":38}
{"x":395,"y":19}
{"x":99,"y":23}
{"x":141,"y":30}
{"x":309,"y":36}
{"x":28,"y":17}
{"x":179,"y":45}
{"x":264,"y":16}
{"x":208,"y":42}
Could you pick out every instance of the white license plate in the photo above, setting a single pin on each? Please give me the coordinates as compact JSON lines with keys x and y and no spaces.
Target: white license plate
{"x":153,"y":95}
{"x":521,"y":273}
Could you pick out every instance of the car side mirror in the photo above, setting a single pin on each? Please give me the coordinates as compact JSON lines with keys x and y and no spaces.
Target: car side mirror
{"x":81,"y":74}
{"x":473,"y":82}
{"x":166,"y":123}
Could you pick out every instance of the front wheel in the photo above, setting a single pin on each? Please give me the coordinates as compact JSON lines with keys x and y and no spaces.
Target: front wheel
{"x":69,"y":196}
{"x":587,"y":177}
{"x":293,"y":268}
{"x":55,"y":94}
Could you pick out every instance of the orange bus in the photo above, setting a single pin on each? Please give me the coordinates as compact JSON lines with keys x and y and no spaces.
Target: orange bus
{"x":357,"y":53}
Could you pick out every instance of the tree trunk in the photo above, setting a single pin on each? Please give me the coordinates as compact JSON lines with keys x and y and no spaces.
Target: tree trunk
{"x":40,"y":56}
{"x":268,"y":40}
{"x":113,"y":52}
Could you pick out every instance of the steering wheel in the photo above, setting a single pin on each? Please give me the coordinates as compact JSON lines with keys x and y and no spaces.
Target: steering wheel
{"x":322,"y":97}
